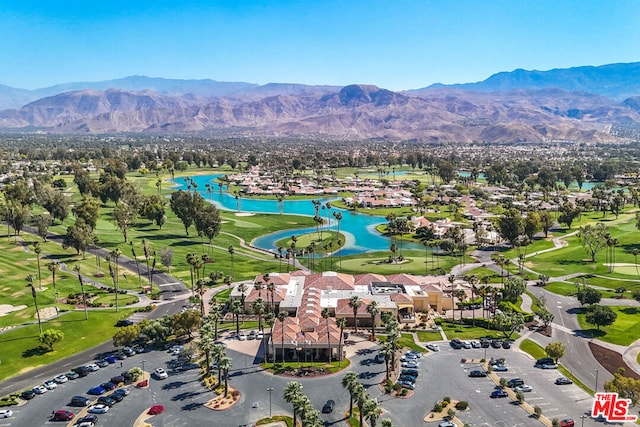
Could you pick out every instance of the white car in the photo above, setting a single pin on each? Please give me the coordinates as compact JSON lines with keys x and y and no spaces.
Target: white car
{"x":93,"y":367}
{"x":62,"y":378}
{"x":160,"y":374}
{"x":475,"y":344}
{"x":40,"y":389}
{"x":433,"y":347}
{"x":260,"y":335}
{"x":242,"y":336}
{"x":5,"y":413}
{"x":50,"y":384}
{"x":98,"y":409}
{"x":524,"y":388}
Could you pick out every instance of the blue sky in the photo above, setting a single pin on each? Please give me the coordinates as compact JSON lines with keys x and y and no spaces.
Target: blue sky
{"x":396,"y":44}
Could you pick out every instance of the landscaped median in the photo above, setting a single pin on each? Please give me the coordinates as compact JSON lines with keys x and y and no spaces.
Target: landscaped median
{"x":297,"y":369}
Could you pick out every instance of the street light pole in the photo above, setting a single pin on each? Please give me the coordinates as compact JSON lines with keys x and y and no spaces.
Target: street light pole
{"x":270,"y":389}
{"x":596,"y":389}
{"x":582,"y":417}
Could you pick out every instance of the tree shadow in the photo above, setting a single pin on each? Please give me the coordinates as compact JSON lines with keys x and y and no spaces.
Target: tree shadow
{"x":173,"y":385}
{"x":630,"y":310}
{"x":590,"y":333}
{"x":35,"y":351}
{"x":192,"y":406}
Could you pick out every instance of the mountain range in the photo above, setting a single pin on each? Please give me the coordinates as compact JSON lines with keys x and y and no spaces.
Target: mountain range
{"x":585,"y":104}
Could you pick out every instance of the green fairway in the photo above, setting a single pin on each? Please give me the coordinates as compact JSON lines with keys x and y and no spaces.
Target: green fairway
{"x":21,"y":351}
{"x":624,"y":331}
{"x":377,"y":262}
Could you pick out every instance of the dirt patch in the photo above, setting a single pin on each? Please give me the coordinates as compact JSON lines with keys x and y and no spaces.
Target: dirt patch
{"x":611,"y":360}
{"x":222,"y":402}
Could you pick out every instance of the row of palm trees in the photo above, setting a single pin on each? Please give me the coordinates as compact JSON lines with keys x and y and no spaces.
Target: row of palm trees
{"x":302,"y":406}
{"x":368,"y":408}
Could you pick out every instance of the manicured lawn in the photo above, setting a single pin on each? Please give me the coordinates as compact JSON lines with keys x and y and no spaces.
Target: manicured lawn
{"x":122,"y":300}
{"x":287,"y":419}
{"x":377,"y":262}
{"x":304,"y":240}
{"x":21,"y":350}
{"x":406,"y":341}
{"x":561,"y":288}
{"x":426,"y":336}
{"x":535,"y":350}
{"x":485,"y":274}
{"x":624,"y":331}
{"x":467,"y":332}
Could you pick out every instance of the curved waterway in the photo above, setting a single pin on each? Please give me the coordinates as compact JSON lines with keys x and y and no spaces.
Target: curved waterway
{"x":359,"y":229}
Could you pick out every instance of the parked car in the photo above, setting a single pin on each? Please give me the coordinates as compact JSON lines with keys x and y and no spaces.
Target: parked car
{"x":88,"y":420}
{"x":260,"y":335}
{"x":72,"y":375}
{"x":116,"y":396}
{"x":412,"y":365}
{"x":242,"y":336}
{"x":123,"y":391}
{"x":485,"y":343}
{"x":40,"y":389}
{"x":524,"y":388}
{"x":456,"y":343}
{"x":433,"y":347}
{"x":407,"y":384}
{"x":63,"y":415}
{"x":27,"y":394}
{"x":413,"y":372}
{"x":475,"y":344}
{"x":379,"y":358}
{"x":5,"y":413}
{"x":544,"y":361}
{"x":496,"y":343}
{"x":62,"y":378}
{"x":500,"y":368}
{"x":79,"y":401}
{"x":111,"y":359}
{"x":102,"y":363}
{"x":477,"y":373}
{"x":117,"y":379}
{"x":124,"y":322}
{"x":446,"y":424}
{"x":108,"y":386}
{"x":563,"y":381}
{"x":328,"y":407}
{"x":100,"y":408}
{"x":515,"y":382}
{"x":407,"y":377}
{"x":129,"y":351}
{"x":96,"y":391}
{"x":415,"y":353}
{"x":82,"y":371}
{"x":252,"y":335}
{"x":50,"y":384}
{"x":92,"y":367}
{"x":466,"y":344}
{"x":120,"y":356}
{"x":160,"y":374}
{"x":498,"y":393}
{"x":506,"y":344}
{"x":549,"y":366}
{"x":568,"y":422}
{"x":106,"y":400}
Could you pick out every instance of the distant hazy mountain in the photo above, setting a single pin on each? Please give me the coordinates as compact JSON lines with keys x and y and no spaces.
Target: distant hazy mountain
{"x":616,"y":81}
{"x":352,"y":112}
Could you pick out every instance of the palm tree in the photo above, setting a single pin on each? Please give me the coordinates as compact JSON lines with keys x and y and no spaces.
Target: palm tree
{"x":341,"y":323}
{"x":115,"y":271}
{"x":76,"y":268}
{"x":242,"y":288}
{"x":191,"y":260}
{"x":372,"y":309}
{"x":215,"y":313}
{"x":53,"y":267}
{"x":258,"y":285}
{"x":271,"y":288}
{"x":207,"y":339}
{"x":281,"y":317}
{"x":30,"y":278}
{"x":135,"y":258}
{"x":350,"y":381}
{"x":355,"y":302}
{"x":269,"y":319}
{"x":225,"y":366}
{"x":461,"y":295}
{"x":387,"y":351}
{"x":231,"y":252}
{"x":237,"y":310}
{"x":338,"y":217}
{"x":217,"y":354}
{"x":473,"y":280}
{"x":372,"y":411}
{"x":326,"y":315}
{"x":361,"y":399}
{"x":386,"y":423}
{"x":38,"y":250}
{"x":635,"y":252}
{"x":201,"y":287}
{"x":258,"y":309}
{"x":292,"y":393}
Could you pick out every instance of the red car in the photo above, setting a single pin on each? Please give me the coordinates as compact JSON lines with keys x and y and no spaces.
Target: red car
{"x":567,"y":423}
{"x":63,"y":415}
{"x":155,"y":410}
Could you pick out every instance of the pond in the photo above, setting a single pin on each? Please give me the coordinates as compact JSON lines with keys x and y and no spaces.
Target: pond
{"x":358,"y":229}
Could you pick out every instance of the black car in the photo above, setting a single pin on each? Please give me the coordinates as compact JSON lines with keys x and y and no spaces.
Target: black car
{"x":28,"y":394}
{"x":116,"y":396}
{"x":544,"y":361}
{"x":109,"y":385}
{"x":413,"y":372}
{"x":456,"y":343}
{"x":106,"y":400}
{"x":79,"y":401}
{"x":89,"y":419}
{"x":409,"y":378}
{"x":515,"y":382}
{"x":485,"y":343}
{"x":496,"y":343}
{"x":563,"y":381}
{"x":124,"y":322}
{"x":82,"y":371}
{"x":117,"y":379}
{"x":477,"y":373}
{"x":506,"y":344}
{"x":328,"y":407}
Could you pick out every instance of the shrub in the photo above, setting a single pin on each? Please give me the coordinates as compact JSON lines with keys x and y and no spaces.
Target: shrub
{"x":520,"y":397}
{"x":446,"y":400}
{"x":537,"y":411}
{"x":397,"y":387}
{"x":462,"y":405}
{"x":437,"y":407}
{"x":503,"y":382}
{"x":404,"y":392}
{"x":235,"y":393}
{"x":451,"y":412}
{"x":555,"y":423}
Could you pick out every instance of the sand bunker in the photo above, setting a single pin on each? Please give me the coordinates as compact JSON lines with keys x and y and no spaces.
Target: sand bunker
{"x":8,"y":308}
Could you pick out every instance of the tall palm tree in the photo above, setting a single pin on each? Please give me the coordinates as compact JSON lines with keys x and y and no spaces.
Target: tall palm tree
{"x":258,"y":309}
{"x":135,"y":258}
{"x":269,"y":319}
{"x":341,"y":323}
{"x":372,"y":309}
{"x":30,"y":278}
{"x":387,"y":351}
{"x":53,"y":267}
{"x":237,"y":310}
{"x":191,"y":260}
{"x":461,"y":295}
{"x":350,"y":381}
{"x":201,"y":288}
{"x":258,"y":285}
{"x":38,"y":250}
{"x":225,"y":365}
{"x":76,"y":268}
{"x":207,"y":339}
{"x":271,"y":288}
{"x":281,"y":317}
{"x":326,"y":315}
{"x":242,"y":288}
{"x":355,"y":302}
{"x":338,"y":217}
{"x":361,"y":399}
{"x":115,"y":271}
{"x":292,"y":393}
{"x":473,"y":281}
{"x":215,"y":313}
{"x":217,"y":354}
